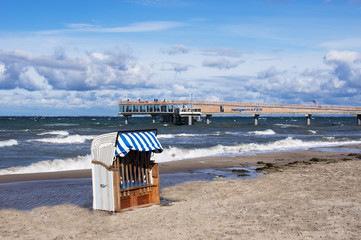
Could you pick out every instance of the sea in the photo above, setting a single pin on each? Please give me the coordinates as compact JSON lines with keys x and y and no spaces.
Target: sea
{"x":45,"y":144}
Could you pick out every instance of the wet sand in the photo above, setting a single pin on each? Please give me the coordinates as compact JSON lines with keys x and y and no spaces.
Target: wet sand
{"x":304,"y":195}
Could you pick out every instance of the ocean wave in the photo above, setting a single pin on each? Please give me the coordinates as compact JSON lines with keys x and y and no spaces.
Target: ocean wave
{"x":8,"y":143}
{"x":80,"y":162}
{"x":59,"y":133}
{"x":175,"y":154}
{"x":65,"y":140}
{"x":265,"y":132}
{"x":167,"y":136}
{"x":61,"y":124}
{"x":311,"y":131}
{"x":288,"y":144}
{"x":285,"y":125}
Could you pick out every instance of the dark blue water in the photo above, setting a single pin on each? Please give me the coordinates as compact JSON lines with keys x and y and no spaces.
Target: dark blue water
{"x":35,"y":144}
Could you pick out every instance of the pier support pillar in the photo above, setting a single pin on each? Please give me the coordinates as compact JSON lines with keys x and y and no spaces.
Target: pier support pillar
{"x":256,"y":119}
{"x":154,"y":118}
{"x":126,"y":119}
{"x":190,"y":120}
{"x":308,"y":119}
{"x":358,"y":119}
{"x":208,"y":117}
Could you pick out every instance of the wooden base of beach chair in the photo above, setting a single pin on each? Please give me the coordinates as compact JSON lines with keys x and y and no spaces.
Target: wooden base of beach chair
{"x":146,"y":195}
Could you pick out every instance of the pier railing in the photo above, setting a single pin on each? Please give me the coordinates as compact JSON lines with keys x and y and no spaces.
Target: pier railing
{"x":242,"y":104}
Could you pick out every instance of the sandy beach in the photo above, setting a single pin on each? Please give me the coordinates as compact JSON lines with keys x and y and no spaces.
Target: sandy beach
{"x":302,"y":195}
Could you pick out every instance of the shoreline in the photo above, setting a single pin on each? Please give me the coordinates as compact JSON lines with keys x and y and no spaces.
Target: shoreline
{"x":274,"y":158}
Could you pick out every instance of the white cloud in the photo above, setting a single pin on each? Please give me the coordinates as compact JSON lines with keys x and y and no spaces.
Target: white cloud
{"x":176,"y":67}
{"x":30,"y":79}
{"x":180,"y":67}
{"x":346,"y":68}
{"x":220,"y":63}
{"x":337,"y":83}
{"x":179,"y":88}
{"x":223,"y":52}
{"x":98,"y":56}
{"x":345,"y":57}
{"x":151,"y":26}
{"x":108,"y":70}
{"x":2,"y":71}
{"x":177,"y":49}
{"x":269,"y":73}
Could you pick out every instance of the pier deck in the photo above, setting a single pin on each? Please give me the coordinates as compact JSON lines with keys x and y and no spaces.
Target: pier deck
{"x":177,"y":109}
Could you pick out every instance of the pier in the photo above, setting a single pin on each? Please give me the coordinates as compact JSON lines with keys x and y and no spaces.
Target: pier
{"x":188,"y":111}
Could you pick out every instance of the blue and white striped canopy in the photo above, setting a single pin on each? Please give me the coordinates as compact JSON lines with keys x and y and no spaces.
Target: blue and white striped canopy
{"x":139,"y":141}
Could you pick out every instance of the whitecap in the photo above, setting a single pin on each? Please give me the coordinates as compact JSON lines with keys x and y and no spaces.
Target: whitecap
{"x":329,"y":138}
{"x":8,"y":143}
{"x":287,"y":144}
{"x":265,"y":132}
{"x":65,"y":140}
{"x":175,"y":154}
{"x":61,"y":124}
{"x":80,"y":162}
{"x":284,"y":125}
{"x":167,"y":136}
{"x":59,"y":133}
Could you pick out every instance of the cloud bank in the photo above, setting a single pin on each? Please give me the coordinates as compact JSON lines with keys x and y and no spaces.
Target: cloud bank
{"x":100,"y":79}
{"x":108,"y":70}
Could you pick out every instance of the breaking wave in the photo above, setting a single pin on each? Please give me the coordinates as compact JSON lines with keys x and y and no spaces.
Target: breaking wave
{"x":284,"y":125}
{"x":81,"y":162}
{"x":61,"y":124}
{"x":58,"y":133}
{"x":64,"y":139}
{"x":288,"y":144}
{"x":265,"y":132}
{"x":8,"y":143}
{"x":167,"y":136}
{"x":175,"y":154}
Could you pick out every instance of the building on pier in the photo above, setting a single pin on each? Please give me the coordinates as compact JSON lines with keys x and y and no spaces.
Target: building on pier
{"x":175,"y":112}
{"x":186,"y":112}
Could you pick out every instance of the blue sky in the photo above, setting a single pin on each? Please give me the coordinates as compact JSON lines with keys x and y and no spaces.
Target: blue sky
{"x":65,"y":57}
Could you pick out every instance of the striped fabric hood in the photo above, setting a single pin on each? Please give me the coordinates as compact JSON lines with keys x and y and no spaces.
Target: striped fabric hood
{"x":138,"y":141}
